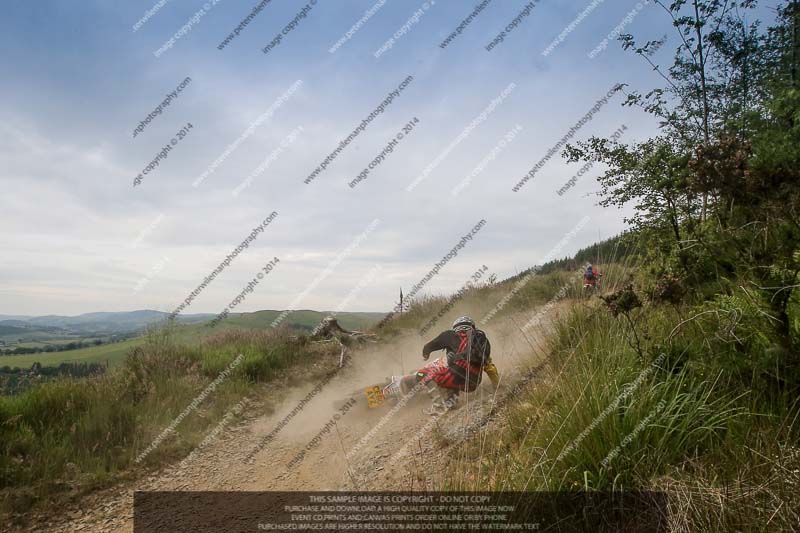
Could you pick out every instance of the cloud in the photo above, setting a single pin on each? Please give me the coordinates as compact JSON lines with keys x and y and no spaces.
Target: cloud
{"x":67,"y":161}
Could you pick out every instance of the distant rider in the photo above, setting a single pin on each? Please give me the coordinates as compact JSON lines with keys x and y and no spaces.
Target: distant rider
{"x":468,"y":356}
{"x":591,"y":276}
{"x":329,"y":328}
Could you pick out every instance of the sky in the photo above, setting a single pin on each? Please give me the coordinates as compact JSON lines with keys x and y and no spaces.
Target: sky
{"x":77,"y":235}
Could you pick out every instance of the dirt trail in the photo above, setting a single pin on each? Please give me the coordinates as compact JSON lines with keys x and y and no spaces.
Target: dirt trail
{"x":401,"y":455}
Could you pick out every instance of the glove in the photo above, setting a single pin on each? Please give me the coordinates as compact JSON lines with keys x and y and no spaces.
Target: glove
{"x":494,"y":375}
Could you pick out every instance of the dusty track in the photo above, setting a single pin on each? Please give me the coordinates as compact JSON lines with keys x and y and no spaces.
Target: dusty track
{"x":376,"y":465}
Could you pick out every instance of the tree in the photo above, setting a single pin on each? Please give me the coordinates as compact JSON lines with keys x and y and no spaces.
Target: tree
{"x":717,"y":192}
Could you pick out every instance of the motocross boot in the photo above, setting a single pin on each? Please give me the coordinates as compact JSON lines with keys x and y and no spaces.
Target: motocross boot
{"x":393,"y":390}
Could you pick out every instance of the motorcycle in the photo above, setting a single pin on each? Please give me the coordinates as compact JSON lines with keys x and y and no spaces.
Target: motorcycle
{"x":394,"y":389}
{"x":592,"y":287}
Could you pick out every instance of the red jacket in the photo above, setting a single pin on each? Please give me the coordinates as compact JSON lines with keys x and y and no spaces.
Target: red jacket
{"x":592,"y":281}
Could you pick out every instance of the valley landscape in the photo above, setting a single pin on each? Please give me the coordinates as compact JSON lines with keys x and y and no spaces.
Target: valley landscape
{"x":379,"y":266}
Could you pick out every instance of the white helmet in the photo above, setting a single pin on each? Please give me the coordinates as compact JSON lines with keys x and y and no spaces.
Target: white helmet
{"x":463,"y":322}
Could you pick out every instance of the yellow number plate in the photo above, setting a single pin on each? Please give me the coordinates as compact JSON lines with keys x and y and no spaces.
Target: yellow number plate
{"x":374,"y":396}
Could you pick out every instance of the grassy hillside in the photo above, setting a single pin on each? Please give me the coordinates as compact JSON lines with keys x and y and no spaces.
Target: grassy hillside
{"x":654,"y":403}
{"x":114,"y":354}
{"x":122,"y":321}
{"x":68,"y":436}
{"x":12,"y":334}
{"x":650,"y":387}
{"x":65,"y":436}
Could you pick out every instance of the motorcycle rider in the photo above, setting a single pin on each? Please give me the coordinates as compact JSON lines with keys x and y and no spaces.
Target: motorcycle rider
{"x":328,"y":328}
{"x":591,"y":276}
{"x":468,"y":356}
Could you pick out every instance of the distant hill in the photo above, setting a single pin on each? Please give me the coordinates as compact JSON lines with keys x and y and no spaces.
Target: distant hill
{"x":12,"y":330}
{"x":91,"y":325}
{"x":130,"y":321}
{"x":117,"y":322}
{"x":14,"y":323}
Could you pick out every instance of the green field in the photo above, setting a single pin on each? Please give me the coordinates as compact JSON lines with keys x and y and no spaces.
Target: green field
{"x":114,"y":354}
{"x":55,"y":342}
{"x":30,"y":335}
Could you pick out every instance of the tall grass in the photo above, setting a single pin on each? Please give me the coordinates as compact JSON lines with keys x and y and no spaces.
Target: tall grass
{"x":478,"y":301}
{"x":616,"y":414}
